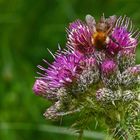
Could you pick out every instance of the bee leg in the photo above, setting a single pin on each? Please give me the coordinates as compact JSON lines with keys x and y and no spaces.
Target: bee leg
{"x":114,"y":40}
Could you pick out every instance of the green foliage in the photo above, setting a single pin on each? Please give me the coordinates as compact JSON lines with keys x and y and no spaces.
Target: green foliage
{"x":28,"y":28}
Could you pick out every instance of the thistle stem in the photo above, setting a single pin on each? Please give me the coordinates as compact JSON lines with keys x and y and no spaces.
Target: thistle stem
{"x":80,"y":134}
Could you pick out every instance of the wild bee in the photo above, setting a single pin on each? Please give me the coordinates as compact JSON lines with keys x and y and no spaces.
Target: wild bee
{"x":101,"y":31}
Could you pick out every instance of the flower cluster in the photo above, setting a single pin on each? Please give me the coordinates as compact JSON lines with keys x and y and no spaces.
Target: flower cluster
{"x":97,"y":67}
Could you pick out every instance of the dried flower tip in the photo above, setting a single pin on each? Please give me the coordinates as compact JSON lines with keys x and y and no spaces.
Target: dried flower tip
{"x":40,"y":87}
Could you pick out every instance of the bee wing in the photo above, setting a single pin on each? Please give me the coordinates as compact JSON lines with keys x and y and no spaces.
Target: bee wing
{"x":111,"y":23}
{"x":111,"y":20}
{"x":91,"y":23}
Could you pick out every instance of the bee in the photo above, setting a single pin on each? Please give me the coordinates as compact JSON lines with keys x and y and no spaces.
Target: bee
{"x":101,"y":31}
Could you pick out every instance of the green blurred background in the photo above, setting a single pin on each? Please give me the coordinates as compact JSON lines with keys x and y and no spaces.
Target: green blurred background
{"x":27,"y":29}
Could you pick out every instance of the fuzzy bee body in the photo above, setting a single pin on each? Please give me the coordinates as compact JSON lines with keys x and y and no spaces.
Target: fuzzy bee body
{"x":101,"y":31}
{"x":99,"y":40}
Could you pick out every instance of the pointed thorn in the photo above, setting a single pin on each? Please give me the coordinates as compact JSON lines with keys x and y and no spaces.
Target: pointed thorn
{"x":51,"y":53}
{"x":113,"y":103}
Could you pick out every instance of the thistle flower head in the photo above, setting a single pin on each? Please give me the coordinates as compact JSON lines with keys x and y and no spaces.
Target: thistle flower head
{"x":79,"y":36}
{"x":63,"y":70}
{"x":99,"y":62}
{"x":122,"y":36}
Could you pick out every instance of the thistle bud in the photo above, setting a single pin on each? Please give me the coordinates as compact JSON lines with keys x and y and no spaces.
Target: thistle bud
{"x":126,"y":58}
{"x":107,"y":95}
{"x":40,"y":87}
{"x":128,"y":96}
{"x":52,"y":112}
{"x":110,"y":74}
{"x":90,"y":73}
{"x":130,"y":77}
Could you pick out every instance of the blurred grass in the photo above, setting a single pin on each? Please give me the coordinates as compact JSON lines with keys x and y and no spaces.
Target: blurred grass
{"x":27,"y":29}
{"x":50,"y":129}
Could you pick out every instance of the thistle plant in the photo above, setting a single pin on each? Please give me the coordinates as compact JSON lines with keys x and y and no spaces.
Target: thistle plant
{"x":96,"y":77}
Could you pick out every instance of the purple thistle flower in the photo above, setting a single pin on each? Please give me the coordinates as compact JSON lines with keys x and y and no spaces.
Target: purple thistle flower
{"x":79,"y":37}
{"x":63,"y":71}
{"x":122,"y":37}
